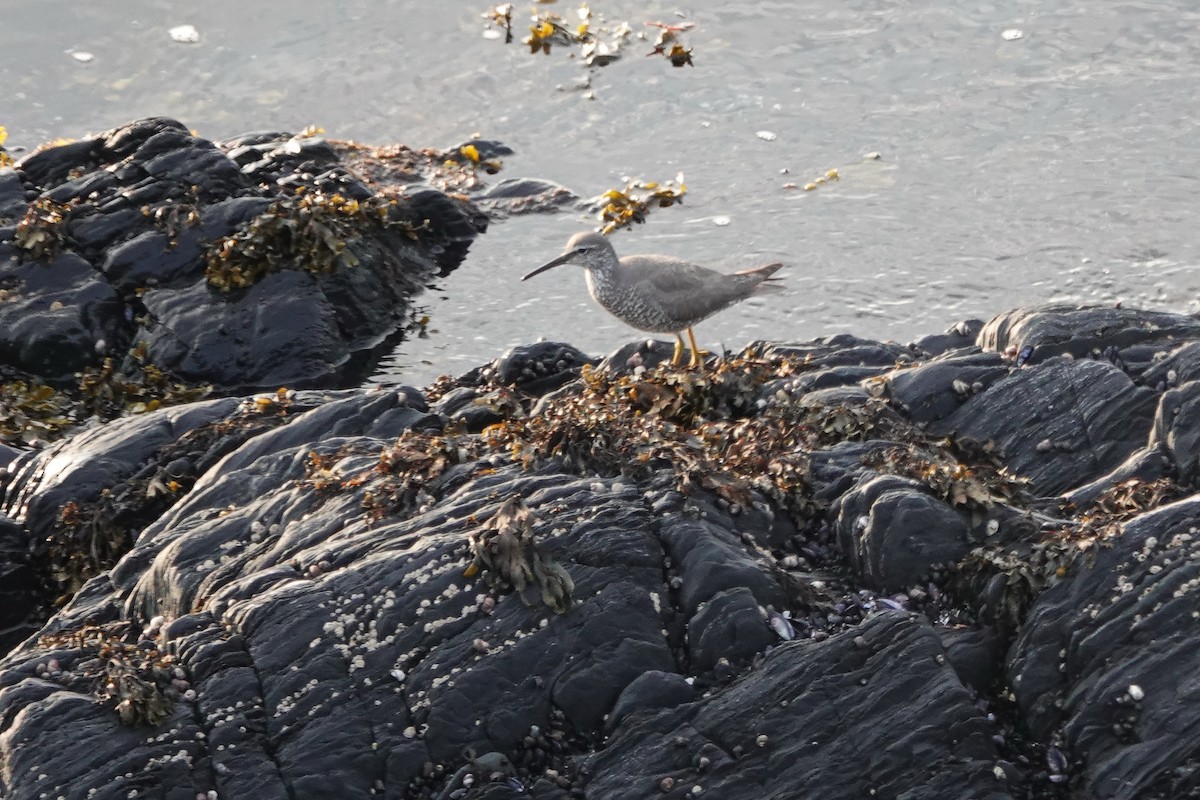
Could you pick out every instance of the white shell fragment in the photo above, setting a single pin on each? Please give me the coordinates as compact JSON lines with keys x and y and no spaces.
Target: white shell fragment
{"x":1012,"y":34}
{"x":782,"y":627}
{"x":82,"y":56}
{"x":766,"y":136}
{"x":187,"y":34}
{"x":1135,"y":693}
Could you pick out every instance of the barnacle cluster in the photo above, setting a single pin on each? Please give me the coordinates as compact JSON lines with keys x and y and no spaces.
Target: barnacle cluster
{"x":90,"y":537}
{"x":309,"y":230}
{"x":620,"y":208}
{"x":1031,"y":566}
{"x":108,"y":661}
{"x":41,"y":233}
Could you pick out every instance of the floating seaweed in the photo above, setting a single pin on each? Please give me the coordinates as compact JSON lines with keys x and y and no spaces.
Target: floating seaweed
{"x":41,"y":233}
{"x":501,"y":16}
{"x":108,"y":661}
{"x":620,"y":208}
{"x":820,"y":180}
{"x":596,"y":45}
{"x":670,"y":45}
{"x":548,"y":30}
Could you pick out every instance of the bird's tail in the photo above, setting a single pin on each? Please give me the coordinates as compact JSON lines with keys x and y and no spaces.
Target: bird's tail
{"x":764,"y":273}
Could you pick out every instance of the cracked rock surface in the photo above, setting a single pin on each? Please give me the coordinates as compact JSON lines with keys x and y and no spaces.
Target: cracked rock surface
{"x":837,"y":568}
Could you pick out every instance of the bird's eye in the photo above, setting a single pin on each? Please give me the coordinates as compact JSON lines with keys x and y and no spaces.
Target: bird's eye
{"x":581,"y":249}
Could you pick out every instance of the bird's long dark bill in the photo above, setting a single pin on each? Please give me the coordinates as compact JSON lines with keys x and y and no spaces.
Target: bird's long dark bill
{"x":551,"y":265}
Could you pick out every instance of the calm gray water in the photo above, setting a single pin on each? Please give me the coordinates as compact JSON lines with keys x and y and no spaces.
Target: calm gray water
{"x":1061,"y":165}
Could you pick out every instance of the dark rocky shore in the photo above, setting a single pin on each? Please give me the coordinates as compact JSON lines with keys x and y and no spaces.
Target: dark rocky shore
{"x":966,"y":567}
{"x":148,"y":262}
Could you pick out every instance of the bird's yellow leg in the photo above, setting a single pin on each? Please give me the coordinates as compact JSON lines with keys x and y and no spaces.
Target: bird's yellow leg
{"x":677,"y":358}
{"x":697,"y":354}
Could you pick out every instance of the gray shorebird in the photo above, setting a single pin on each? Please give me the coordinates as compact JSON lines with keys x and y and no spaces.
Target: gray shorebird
{"x":659,"y":294}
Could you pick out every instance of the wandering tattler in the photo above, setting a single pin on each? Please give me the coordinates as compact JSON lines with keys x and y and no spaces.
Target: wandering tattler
{"x":656,"y":293}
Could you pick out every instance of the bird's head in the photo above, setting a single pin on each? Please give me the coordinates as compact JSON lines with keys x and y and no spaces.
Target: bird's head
{"x":589,"y":249}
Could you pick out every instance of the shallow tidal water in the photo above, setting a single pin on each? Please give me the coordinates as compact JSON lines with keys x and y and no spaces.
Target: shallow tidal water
{"x":1058,"y":165}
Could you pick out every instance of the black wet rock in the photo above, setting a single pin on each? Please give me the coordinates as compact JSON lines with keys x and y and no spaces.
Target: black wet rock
{"x":1177,"y":431}
{"x":515,"y":196}
{"x":976,"y":654}
{"x":800,"y":724}
{"x":893,"y":531}
{"x":1060,"y":425}
{"x":1107,"y":660}
{"x":56,"y":318}
{"x":50,"y":167}
{"x":126,"y":253}
{"x":841,"y":350}
{"x":959,"y":336}
{"x":538,"y":369}
{"x":730,"y":627}
{"x":786,"y":590}
{"x":937,"y":387}
{"x":644,"y":354}
{"x":21,"y":612}
{"x":709,"y":557}
{"x":651,"y":690}
{"x":1180,"y":365}
{"x":12,"y":197}
{"x":836,"y":469}
{"x":82,"y":469}
{"x":1054,"y":330}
